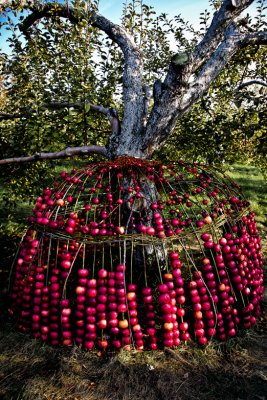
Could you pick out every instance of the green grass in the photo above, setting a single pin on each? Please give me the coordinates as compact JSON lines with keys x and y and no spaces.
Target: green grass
{"x":254,"y":187}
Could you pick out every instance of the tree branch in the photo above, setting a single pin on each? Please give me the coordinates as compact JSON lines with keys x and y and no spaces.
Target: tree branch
{"x":228,"y":12}
{"x":249,"y":83}
{"x":212,"y":68}
{"x":254,"y":39}
{"x":133,"y":98}
{"x":234,"y":41}
{"x":68,"y":152}
{"x":237,"y":3}
{"x":176,"y":87}
{"x":110,"y":113}
{"x":179,"y":95}
{"x":6,"y":117}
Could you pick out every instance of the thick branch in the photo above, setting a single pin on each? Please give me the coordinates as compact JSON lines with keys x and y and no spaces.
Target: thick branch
{"x":68,"y":152}
{"x":228,"y":12}
{"x":18,"y":4}
{"x":234,"y":41}
{"x":41,"y":10}
{"x":179,"y":95}
{"x":133,"y":96}
{"x":254,"y":39}
{"x":176,"y":91}
{"x":213,"y":67}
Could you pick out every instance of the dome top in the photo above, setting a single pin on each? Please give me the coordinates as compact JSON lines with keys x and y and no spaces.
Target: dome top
{"x":130,"y":196}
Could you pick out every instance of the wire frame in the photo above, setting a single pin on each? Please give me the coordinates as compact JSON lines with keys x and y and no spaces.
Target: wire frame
{"x":135,"y":254}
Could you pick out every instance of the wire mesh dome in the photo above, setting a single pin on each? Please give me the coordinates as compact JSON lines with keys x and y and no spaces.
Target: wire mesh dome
{"x":138,"y":255}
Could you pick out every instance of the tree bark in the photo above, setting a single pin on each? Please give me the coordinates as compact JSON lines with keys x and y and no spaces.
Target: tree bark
{"x":110,"y":113}
{"x":68,"y":152}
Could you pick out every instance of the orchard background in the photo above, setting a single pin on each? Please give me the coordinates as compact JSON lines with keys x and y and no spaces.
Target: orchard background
{"x":52,"y":76}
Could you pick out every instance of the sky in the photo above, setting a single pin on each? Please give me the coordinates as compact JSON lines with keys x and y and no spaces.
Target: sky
{"x":112,"y":9}
{"x":189,"y":9}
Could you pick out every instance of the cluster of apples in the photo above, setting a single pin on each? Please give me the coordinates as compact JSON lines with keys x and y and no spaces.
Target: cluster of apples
{"x":161,"y":201}
{"x":64,"y":292}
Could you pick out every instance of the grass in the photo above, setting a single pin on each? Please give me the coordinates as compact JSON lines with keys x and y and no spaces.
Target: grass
{"x":254,"y":187}
{"x":32,"y":370}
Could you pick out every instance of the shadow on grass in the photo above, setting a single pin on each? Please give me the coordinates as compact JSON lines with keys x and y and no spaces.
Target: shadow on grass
{"x":249,"y":186}
{"x":31,"y":370}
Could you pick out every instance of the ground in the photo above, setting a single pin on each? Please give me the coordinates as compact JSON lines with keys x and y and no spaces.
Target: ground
{"x":31,"y":370}
{"x":34,"y":371}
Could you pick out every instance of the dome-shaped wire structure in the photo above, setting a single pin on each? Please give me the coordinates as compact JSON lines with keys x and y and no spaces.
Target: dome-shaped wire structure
{"x":136,"y":254}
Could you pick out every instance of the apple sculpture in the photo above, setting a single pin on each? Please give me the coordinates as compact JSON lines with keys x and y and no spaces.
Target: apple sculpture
{"x":139,"y":255}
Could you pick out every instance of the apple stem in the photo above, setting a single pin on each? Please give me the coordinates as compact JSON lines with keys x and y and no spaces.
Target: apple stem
{"x":131,"y":265}
{"x":242,"y":298}
{"x":48,"y":258}
{"x":83,"y":264}
{"x":157,"y":259}
{"x":94,"y":261}
{"x":145,"y":275}
{"x":111,"y":259}
{"x":103,"y":256}
{"x":73,"y":261}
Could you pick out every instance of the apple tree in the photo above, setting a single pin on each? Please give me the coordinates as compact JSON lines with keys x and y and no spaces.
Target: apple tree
{"x":144,"y":120}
